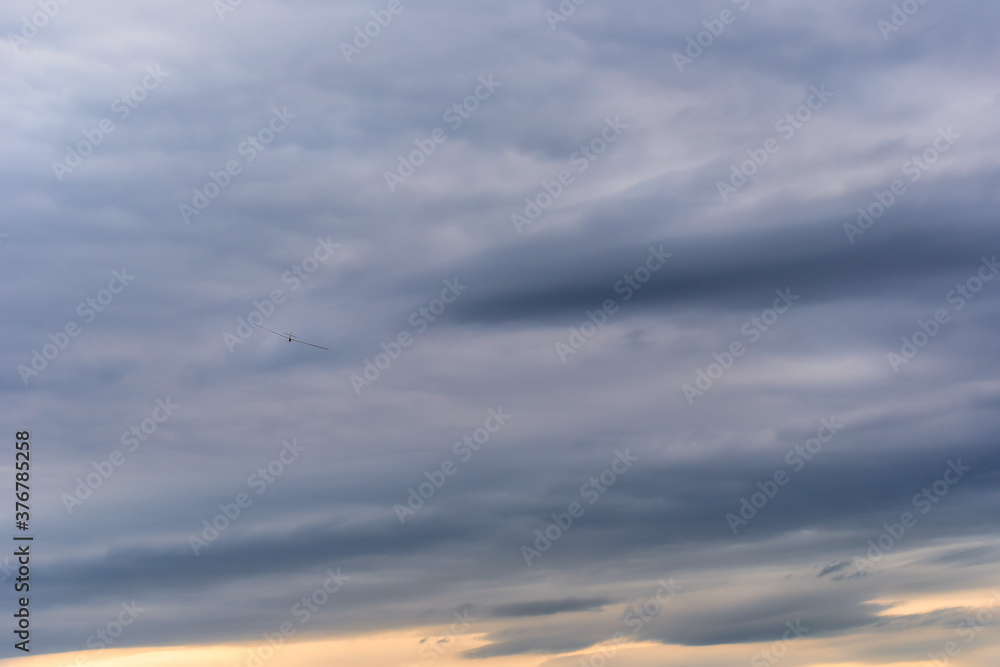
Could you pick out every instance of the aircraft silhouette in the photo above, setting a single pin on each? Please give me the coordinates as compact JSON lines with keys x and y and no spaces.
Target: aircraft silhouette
{"x":291,"y":337}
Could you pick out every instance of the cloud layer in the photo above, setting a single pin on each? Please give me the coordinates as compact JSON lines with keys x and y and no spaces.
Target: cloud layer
{"x":614,"y":294}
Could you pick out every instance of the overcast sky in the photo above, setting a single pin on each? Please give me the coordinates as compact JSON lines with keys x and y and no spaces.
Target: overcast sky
{"x":660,"y":333}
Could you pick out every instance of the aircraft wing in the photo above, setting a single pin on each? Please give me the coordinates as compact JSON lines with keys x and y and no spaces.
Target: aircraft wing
{"x":283,"y":335}
{"x":305,"y":343}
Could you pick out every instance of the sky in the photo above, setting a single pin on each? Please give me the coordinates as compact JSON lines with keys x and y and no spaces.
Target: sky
{"x":658,"y":333}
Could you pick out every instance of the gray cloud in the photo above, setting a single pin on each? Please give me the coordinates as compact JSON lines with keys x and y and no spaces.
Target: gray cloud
{"x":549,"y":607}
{"x":323,"y":177}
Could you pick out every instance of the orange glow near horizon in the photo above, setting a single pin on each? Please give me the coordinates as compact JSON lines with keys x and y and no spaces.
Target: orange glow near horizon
{"x":405,"y":648}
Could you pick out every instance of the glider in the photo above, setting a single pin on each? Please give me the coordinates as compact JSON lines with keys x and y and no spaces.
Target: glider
{"x":291,"y":337}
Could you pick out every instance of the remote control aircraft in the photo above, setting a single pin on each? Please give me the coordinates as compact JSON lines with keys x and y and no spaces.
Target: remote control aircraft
{"x":291,"y":337}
